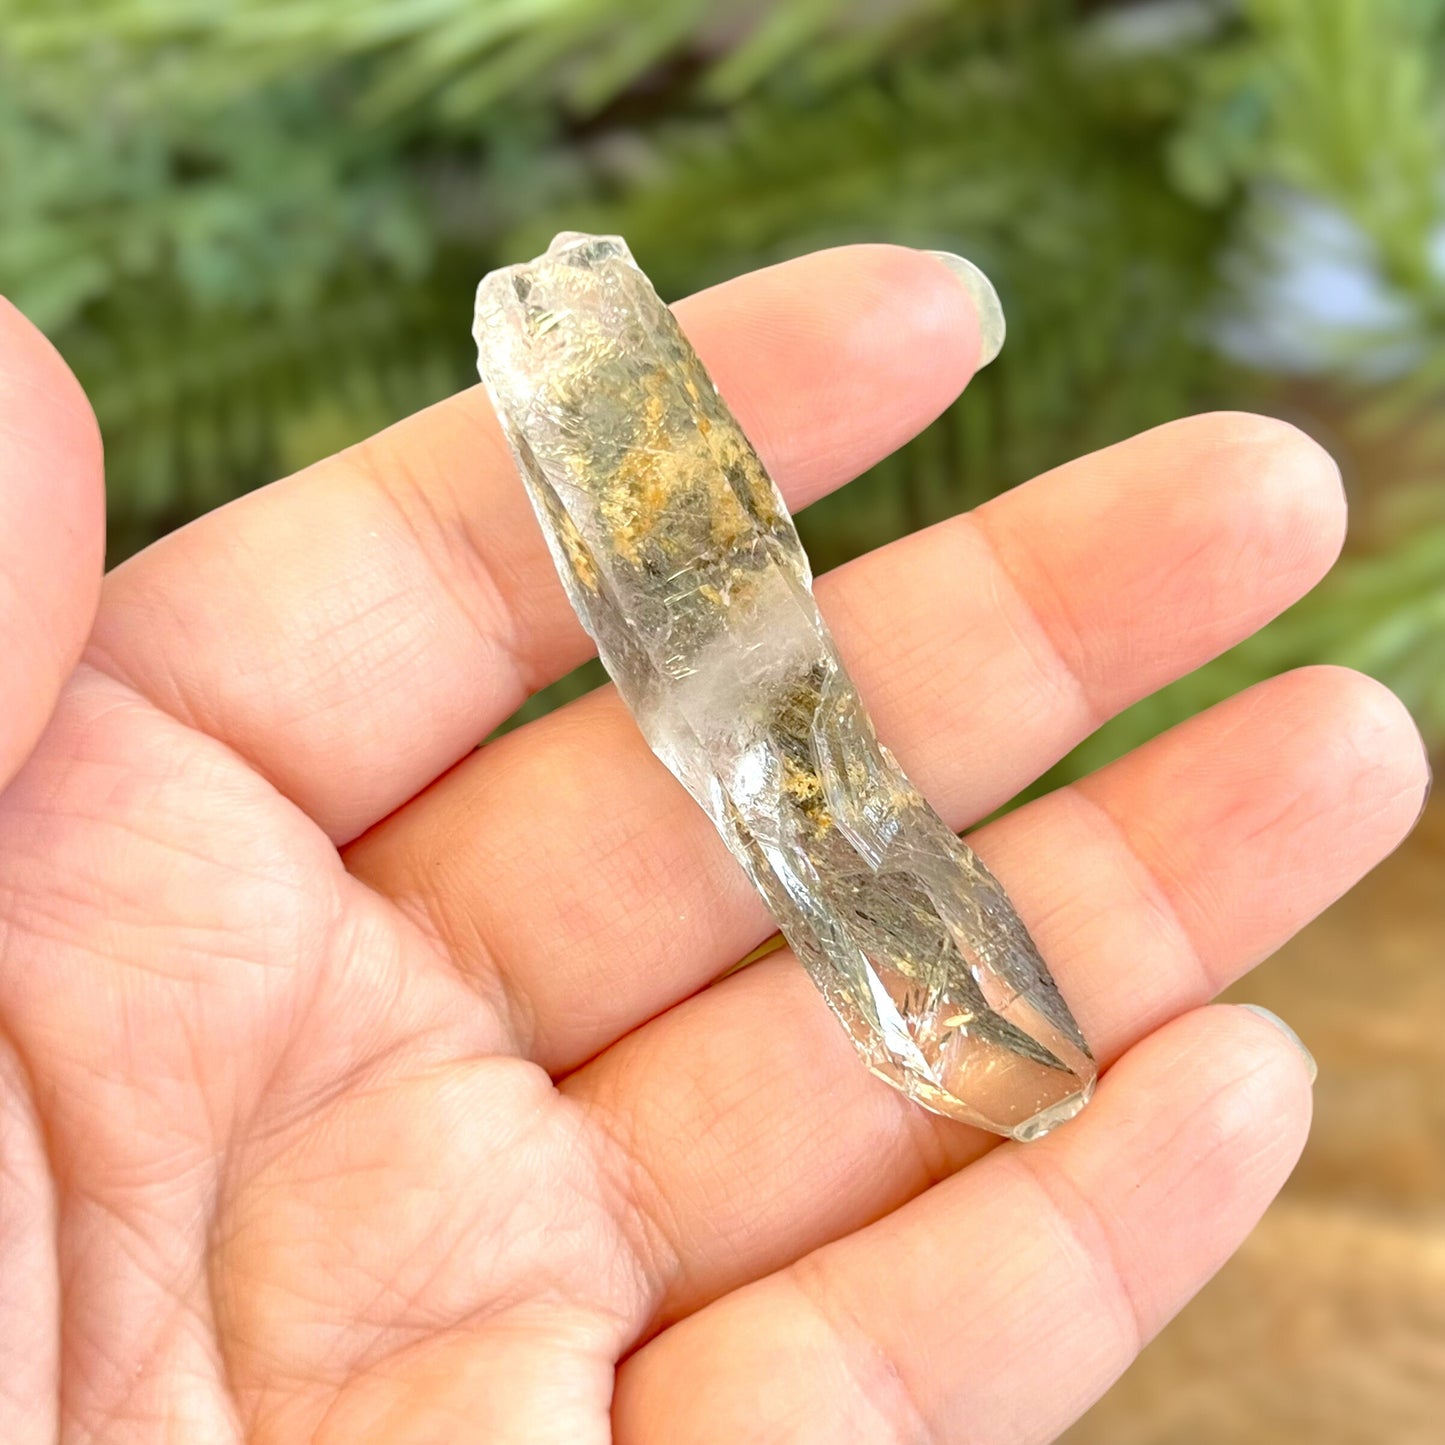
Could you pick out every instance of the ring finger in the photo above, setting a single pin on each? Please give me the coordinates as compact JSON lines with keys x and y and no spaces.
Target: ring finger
{"x":1149,"y":887}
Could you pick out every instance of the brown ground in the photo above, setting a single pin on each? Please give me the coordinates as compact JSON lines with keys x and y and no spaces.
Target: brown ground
{"x":1329,"y":1326}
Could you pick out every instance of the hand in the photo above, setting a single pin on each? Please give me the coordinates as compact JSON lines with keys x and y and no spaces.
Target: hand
{"x":356,"y":1085}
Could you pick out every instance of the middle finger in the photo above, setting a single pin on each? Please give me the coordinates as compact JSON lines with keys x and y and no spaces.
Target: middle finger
{"x":577,"y":883}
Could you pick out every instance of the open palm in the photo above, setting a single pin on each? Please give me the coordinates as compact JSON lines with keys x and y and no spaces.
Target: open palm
{"x":360,"y":1085}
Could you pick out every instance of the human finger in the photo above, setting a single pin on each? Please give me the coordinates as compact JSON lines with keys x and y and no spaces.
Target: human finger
{"x":985,"y":647}
{"x":1001,"y":1303}
{"x":757,"y":1136}
{"x":357,"y":628}
{"x":52,"y":531}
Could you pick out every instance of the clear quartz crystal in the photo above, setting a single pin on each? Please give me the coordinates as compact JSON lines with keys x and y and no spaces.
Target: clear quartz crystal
{"x":680,"y":557}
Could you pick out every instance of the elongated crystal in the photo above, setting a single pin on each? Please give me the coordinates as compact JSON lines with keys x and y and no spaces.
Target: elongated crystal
{"x":682,"y":562}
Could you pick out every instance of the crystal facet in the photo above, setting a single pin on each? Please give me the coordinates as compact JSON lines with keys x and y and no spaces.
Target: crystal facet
{"x":679,"y":555}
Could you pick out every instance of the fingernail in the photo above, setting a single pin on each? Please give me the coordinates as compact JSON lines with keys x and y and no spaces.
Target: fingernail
{"x":1289,"y":1033}
{"x":991,"y":326}
{"x":1429,"y":785}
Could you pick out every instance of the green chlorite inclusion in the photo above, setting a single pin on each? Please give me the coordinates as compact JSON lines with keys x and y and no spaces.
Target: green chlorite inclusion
{"x":680,"y":557}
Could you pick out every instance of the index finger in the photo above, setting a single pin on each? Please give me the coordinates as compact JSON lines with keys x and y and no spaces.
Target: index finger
{"x":357,"y":628}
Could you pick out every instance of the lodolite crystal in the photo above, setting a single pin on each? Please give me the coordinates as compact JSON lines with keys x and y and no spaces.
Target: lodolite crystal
{"x":682,"y":562}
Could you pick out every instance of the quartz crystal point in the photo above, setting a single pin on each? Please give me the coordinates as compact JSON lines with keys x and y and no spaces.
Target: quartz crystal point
{"x":682,"y":562}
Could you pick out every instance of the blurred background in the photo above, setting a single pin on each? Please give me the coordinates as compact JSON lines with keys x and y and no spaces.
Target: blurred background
{"x":254,"y":229}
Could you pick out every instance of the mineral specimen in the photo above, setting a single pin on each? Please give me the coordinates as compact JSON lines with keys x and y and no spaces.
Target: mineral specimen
{"x":679,"y":555}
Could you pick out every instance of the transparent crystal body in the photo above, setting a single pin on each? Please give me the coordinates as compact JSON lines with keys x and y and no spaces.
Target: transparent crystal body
{"x":682,"y":562}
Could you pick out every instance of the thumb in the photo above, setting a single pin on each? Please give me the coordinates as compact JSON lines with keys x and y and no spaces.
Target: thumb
{"x":52,"y":531}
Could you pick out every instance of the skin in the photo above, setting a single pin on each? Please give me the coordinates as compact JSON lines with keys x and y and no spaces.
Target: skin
{"x":359,"y":1085}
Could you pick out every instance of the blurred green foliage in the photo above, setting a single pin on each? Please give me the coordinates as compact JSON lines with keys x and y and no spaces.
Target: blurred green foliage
{"x":254,"y":229}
